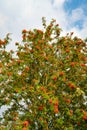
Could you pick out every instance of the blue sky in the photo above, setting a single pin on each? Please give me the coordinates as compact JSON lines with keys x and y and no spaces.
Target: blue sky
{"x":71,"y":5}
{"x":16,"y":15}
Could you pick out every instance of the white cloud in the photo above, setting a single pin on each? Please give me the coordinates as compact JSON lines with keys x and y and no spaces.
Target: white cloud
{"x":77,"y":14}
{"x":83,"y":32}
{"x":3,"y":20}
{"x":58,"y":3}
{"x":27,"y":14}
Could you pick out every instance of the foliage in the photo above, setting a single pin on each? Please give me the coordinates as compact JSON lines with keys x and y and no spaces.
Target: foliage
{"x":45,"y":85}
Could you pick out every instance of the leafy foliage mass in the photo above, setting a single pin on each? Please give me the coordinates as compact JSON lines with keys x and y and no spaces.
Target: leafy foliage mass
{"x":44,"y":87}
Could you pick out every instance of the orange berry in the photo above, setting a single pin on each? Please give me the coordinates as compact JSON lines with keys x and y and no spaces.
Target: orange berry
{"x":68,"y":101}
{"x":71,"y":85}
{"x":24,"y":37}
{"x":78,"y":123}
{"x":83,"y":65}
{"x":41,"y":118}
{"x":56,"y":103}
{"x":25,"y":123}
{"x":67,"y":51}
{"x":23,"y":88}
{"x":85,"y":59}
{"x":19,"y":61}
{"x":79,"y":42}
{"x":71,"y":112}
{"x":46,"y":58}
{"x":56,"y":110}
{"x":85,"y":118}
{"x":16,"y":91}
{"x":31,"y":50}
{"x":24,"y":128}
{"x":40,"y":108}
{"x":9,"y":73}
{"x":61,"y":73}
{"x":37,"y":47}
{"x":72,"y":64}
{"x":0,"y":71}
{"x":27,"y":68}
{"x":50,"y":101}
{"x":42,"y":88}
{"x":55,"y":78}
{"x":24,"y":31}
{"x":14,"y":118}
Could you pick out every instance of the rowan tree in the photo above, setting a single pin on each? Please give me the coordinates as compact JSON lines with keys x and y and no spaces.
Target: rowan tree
{"x":44,"y":86}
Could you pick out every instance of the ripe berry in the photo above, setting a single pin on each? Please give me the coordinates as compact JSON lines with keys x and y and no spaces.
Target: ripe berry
{"x":25,"y":123}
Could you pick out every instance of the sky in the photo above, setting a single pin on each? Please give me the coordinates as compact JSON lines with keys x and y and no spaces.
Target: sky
{"x":16,"y":15}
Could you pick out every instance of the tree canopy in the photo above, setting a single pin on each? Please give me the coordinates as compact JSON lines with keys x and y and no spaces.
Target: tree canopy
{"x":44,"y":86}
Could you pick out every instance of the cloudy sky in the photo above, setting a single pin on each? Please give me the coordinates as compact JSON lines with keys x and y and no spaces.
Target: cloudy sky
{"x":16,"y":15}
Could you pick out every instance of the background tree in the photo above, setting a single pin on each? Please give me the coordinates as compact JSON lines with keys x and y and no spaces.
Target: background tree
{"x":45,"y":86}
